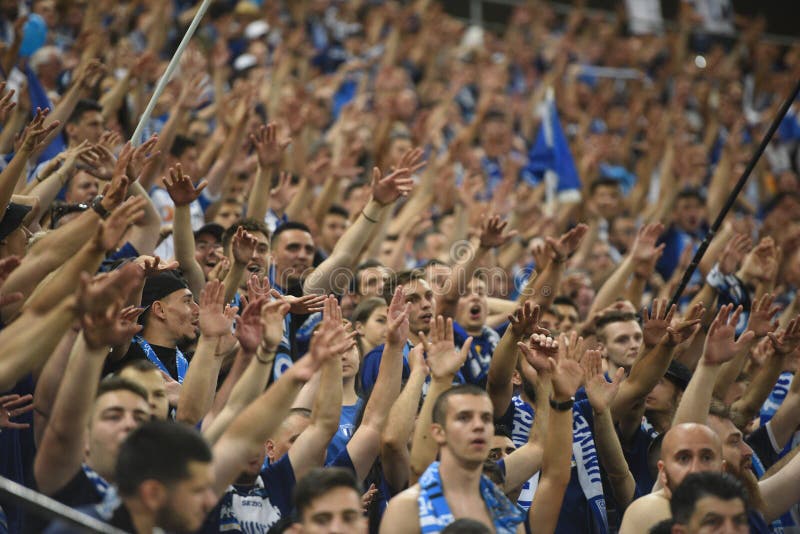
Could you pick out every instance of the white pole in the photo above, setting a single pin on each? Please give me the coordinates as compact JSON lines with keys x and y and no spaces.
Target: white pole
{"x":173,"y":63}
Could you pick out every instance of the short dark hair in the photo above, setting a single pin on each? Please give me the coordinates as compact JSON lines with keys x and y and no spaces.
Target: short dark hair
{"x":614,"y":317}
{"x":691,"y":192}
{"x":158,"y":450}
{"x":707,"y":484}
{"x":84,"y":105}
{"x":140,"y":365}
{"x":249,"y":224}
{"x":366,"y":307}
{"x":368,"y":264}
{"x":566,"y":301}
{"x":320,"y":481}
{"x":399,"y":279}
{"x":662,"y":527}
{"x":440,"y":406}
{"x":357,"y":184}
{"x":502,"y":430}
{"x":336,"y":209}
{"x":602,"y":182}
{"x":180,"y":145}
{"x":285,"y":227}
{"x":466,"y":525}
{"x":117,"y":383}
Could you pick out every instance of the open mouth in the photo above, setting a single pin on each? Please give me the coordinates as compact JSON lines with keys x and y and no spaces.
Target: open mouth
{"x":478,"y":442}
{"x":475,"y":312}
{"x":254,"y":268}
{"x":426,"y":317}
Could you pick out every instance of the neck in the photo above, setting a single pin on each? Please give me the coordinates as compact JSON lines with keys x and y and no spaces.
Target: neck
{"x":107,"y":474}
{"x":661,"y":421}
{"x":414,"y":338}
{"x":459,"y":476}
{"x":349,"y":396}
{"x":475,"y":331}
{"x":143,"y":520}
{"x":155,"y":335}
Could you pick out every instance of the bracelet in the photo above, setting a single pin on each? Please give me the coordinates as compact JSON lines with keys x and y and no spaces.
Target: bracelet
{"x":367,"y":217}
{"x":269,"y":353}
{"x":562,"y":406}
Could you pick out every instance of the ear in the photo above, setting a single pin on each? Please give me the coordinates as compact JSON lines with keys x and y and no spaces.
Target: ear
{"x":662,"y":475}
{"x":269,"y":445}
{"x":70,"y":129}
{"x":157,"y":309}
{"x":678,"y":529}
{"x":439,"y":434}
{"x":516,"y":379}
{"x":296,"y":528}
{"x":153,"y":494}
{"x":359,"y":326}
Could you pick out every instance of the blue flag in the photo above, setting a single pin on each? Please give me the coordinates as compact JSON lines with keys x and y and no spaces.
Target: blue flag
{"x":550,"y":152}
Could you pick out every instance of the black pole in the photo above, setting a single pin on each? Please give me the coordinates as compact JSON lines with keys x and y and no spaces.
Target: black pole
{"x":701,"y":250}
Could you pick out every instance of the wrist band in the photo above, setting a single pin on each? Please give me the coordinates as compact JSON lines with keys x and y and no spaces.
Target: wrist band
{"x":367,"y":217}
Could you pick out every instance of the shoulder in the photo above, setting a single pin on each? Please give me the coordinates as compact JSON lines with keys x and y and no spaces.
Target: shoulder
{"x":645,"y":512}
{"x":402,"y":513}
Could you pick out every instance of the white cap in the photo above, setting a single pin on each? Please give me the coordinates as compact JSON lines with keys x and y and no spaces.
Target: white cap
{"x":256,"y":29}
{"x":245,"y":61}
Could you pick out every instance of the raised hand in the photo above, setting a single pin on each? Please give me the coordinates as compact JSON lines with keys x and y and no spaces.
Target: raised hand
{"x":538,"y":356}
{"x":330,"y":341}
{"x":142,"y":157}
{"x":567,"y":373}
{"x":216,"y":319}
{"x":684,"y":331}
{"x":108,"y":328}
{"x":36,"y":133}
{"x":257,"y":287}
{"x":655,"y":323}
{"x":249,"y":326}
{"x":416,"y":360}
{"x":398,"y":327}
{"x":99,"y":161}
{"x":242,"y":245}
{"x":110,"y":232}
{"x":601,"y":392}
{"x":761,"y":316}
{"x":13,"y":406}
{"x":720,"y":345}
{"x":90,"y":76}
{"x":268,"y":148}
{"x":388,"y":189}
{"x":524,"y":322}
{"x":281,"y":194}
{"x":110,"y":139}
{"x":493,"y":233}
{"x":787,"y":341}
{"x":733,"y":253}
{"x":272,"y":320}
{"x":6,"y":105}
{"x":153,"y":265}
{"x":411,"y":160}
{"x":301,"y":305}
{"x":97,"y":294}
{"x":644,"y":246}
{"x":443,"y":359}
{"x":220,"y":270}
{"x":180,"y":187}
{"x":762,"y":262}
{"x":567,"y":243}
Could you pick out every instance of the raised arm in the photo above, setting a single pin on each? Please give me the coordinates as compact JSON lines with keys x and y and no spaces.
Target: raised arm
{"x":787,"y":418}
{"x":395,"y":456}
{"x":216,"y":320}
{"x":523,"y":323}
{"x":550,"y":276}
{"x":246,"y":435}
{"x":365,"y":444}
{"x":444,"y":362}
{"x":270,"y":152}
{"x":63,"y":445}
{"x":243,"y":244}
{"x":719,"y":348}
{"x":183,"y":192}
{"x":385,"y":191}
{"x":781,"y":491}
{"x":567,"y":376}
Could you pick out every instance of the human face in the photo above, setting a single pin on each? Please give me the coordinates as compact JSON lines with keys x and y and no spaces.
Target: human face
{"x":115,"y":415}
{"x":473,"y":307}
{"x":287,"y":434}
{"x":82,"y":188}
{"x":180,"y":313}
{"x":350,"y":362}
{"x":260,"y":258}
{"x":606,"y":200}
{"x":373,"y":331}
{"x":501,"y":447}
{"x":419,"y":296}
{"x":89,"y":127}
{"x":689,"y":214}
{"x":333,"y":226}
{"x":336,"y":511}
{"x":468,"y":430}
{"x":207,"y":252}
{"x":713,"y":515}
{"x":549,"y":321}
{"x":622,"y":234}
{"x":188,"y":161}
{"x":228,"y":214}
{"x":437,"y":275}
{"x":153,"y":383}
{"x":688,"y":449}
{"x":567,"y":317}
{"x":736,"y":452}
{"x":663,"y":396}
{"x":371,"y":281}
{"x":622,"y":341}
{"x":189,"y":500}
{"x":398,"y":147}
{"x":293,"y":255}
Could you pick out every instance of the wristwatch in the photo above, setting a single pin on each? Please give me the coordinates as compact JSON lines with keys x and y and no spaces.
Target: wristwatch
{"x":98,"y":207}
{"x":562,"y":406}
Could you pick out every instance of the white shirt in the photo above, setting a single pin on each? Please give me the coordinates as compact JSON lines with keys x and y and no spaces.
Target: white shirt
{"x":717,"y":15}
{"x":644,"y":16}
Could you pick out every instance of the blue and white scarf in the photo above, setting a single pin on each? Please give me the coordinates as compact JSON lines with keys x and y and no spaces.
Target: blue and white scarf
{"x":584,"y":456}
{"x":97,"y":481}
{"x":180,"y":360}
{"x":435,"y":514}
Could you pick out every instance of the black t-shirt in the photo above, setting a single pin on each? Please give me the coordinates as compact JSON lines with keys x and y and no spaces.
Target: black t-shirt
{"x":118,"y":517}
{"x":79,"y":491}
{"x":168,"y":357}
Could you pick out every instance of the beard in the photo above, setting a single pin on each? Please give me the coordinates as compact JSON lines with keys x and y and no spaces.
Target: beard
{"x":528,"y":389}
{"x":750,"y":483}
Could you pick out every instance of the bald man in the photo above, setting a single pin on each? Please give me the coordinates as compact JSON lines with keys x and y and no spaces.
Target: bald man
{"x":687,"y":448}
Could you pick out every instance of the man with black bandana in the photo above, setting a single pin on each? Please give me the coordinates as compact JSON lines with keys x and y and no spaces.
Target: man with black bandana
{"x":171,"y":317}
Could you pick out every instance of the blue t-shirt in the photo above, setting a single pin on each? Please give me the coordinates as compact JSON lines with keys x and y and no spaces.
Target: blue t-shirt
{"x":347,"y":426}
{"x":254,"y":509}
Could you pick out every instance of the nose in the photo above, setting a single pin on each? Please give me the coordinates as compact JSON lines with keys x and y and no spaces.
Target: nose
{"x":195,"y":308}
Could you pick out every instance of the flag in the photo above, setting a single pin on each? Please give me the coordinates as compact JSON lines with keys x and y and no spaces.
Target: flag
{"x":550,"y":159}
